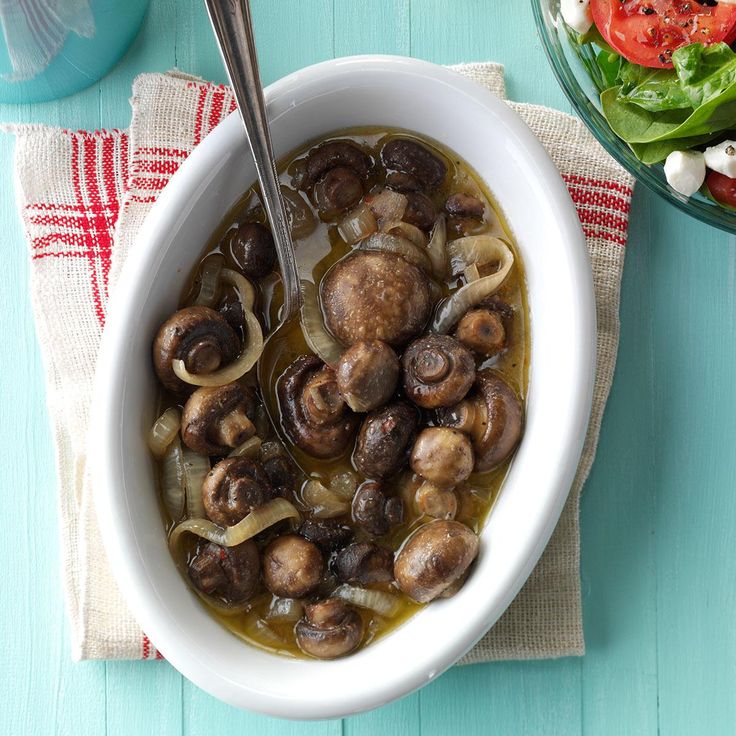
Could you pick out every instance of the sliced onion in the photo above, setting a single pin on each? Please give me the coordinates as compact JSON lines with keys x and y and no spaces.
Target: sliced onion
{"x":359,"y":223}
{"x":285,"y":609}
{"x":450,"y":310}
{"x":172,"y":480}
{"x":382,"y":603}
{"x":196,"y":467}
{"x":406,"y":230}
{"x":325,"y":504}
{"x":254,"y":338}
{"x":163,"y":431}
{"x":478,"y":250}
{"x":400,"y":246}
{"x":300,"y":216}
{"x":261,"y":632}
{"x":344,"y":485}
{"x":318,"y":338}
{"x":471,"y":273}
{"x":437,"y":248}
{"x":250,"y":448}
{"x":257,"y":520}
{"x":210,"y":282}
{"x":387,"y":205}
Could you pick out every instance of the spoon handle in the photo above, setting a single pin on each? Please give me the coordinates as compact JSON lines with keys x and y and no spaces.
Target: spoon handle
{"x":231,"y":21}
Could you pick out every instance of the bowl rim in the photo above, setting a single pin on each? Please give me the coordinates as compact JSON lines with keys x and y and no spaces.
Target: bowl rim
{"x":710,"y":214}
{"x":110,"y":500}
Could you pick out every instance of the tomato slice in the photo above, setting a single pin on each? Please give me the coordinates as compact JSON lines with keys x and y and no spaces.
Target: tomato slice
{"x":723,"y":188}
{"x":646,"y":32}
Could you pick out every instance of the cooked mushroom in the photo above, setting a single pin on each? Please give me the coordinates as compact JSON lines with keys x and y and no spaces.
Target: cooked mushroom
{"x":492,"y":416}
{"x":326,"y":534}
{"x":404,"y":183}
{"x":482,"y":331}
{"x":364,"y":563}
{"x":375,"y":295}
{"x":233,"y":488}
{"x":338,"y":190}
{"x":292,"y":566}
{"x":216,"y":420}
{"x":438,"y":371}
{"x":367,"y":374}
{"x":420,"y":211}
{"x":433,"y":558}
{"x":384,"y":440}
{"x":313,"y":414}
{"x":410,"y":157}
{"x":229,"y":573}
{"x":251,"y":247}
{"x":435,"y":502}
{"x":282,"y":474}
{"x":464,"y":205}
{"x":329,"y":629}
{"x":200,"y":337}
{"x":332,"y":155}
{"x":374,"y":511}
{"x":442,"y":456}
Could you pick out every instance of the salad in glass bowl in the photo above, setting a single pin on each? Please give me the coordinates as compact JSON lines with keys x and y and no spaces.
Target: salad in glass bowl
{"x":661,"y":78}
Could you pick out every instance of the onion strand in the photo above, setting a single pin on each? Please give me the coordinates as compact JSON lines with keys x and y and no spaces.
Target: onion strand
{"x":389,"y":243}
{"x":250,"y":448}
{"x":382,"y":603}
{"x":210,"y":282}
{"x":437,"y":248}
{"x":172,"y":480}
{"x":322,"y":344}
{"x":196,"y":467}
{"x":163,"y":431}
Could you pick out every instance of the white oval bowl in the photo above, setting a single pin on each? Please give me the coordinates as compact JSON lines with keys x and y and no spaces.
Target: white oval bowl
{"x":355,"y":91}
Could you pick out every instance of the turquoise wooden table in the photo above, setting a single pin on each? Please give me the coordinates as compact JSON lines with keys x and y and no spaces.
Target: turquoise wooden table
{"x":659,"y":511}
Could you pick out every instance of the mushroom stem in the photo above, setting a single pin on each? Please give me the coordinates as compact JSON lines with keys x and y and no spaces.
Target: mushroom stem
{"x":203,"y":357}
{"x":470,"y":416}
{"x":234,"y":428}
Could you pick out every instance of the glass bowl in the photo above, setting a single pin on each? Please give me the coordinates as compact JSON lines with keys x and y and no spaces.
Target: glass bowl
{"x":577,"y":83}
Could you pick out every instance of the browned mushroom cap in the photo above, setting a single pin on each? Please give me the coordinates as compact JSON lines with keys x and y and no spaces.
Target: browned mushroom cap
{"x":328,"y":535}
{"x":482,"y":331}
{"x":364,"y":563}
{"x":442,"y":456}
{"x":464,"y":206}
{"x":229,"y":573}
{"x":420,"y":211}
{"x":374,"y":511}
{"x":493,"y":417}
{"x":329,"y":629}
{"x":251,"y":247}
{"x":313,"y":414}
{"x":436,"y":502}
{"x":367,"y":374}
{"x":200,"y":337}
{"x":410,"y":157}
{"x":218,"y":419}
{"x":384,"y":440}
{"x":375,"y":295}
{"x":233,"y":488}
{"x":433,"y":558}
{"x":292,"y":566}
{"x":404,"y":183}
{"x":332,"y":155}
{"x":438,"y":371}
{"x":338,"y":190}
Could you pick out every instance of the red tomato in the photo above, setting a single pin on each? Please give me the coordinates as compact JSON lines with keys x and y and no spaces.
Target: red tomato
{"x":646,"y":32}
{"x":723,"y":188}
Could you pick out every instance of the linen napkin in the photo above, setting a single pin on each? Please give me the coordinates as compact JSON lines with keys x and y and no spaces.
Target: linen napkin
{"x":83,"y":197}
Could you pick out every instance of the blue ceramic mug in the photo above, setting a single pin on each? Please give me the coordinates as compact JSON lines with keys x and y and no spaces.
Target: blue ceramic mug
{"x":52,"y":48}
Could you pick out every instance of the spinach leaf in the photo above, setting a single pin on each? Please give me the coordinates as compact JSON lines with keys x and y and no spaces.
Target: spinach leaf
{"x":654,"y":153}
{"x":705,"y":72}
{"x":652,"y":89}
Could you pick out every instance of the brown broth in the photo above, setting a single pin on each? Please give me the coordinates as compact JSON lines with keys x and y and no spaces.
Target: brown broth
{"x":315,"y":254}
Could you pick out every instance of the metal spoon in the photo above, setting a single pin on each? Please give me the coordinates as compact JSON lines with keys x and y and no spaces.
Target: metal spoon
{"x":231,"y":21}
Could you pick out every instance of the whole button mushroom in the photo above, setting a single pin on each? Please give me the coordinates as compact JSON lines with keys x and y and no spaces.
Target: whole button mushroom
{"x":251,"y":247}
{"x":465,"y":206}
{"x":409,"y":157}
{"x":384,"y":440}
{"x":333,"y":155}
{"x":292,"y":566}
{"x":229,"y":573}
{"x":367,"y":374}
{"x":404,"y":183}
{"x":420,"y":211}
{"x":375,"y":295}
{"x":233,"y":488}
{"x":216,"y":420}
{"x":374,"y":511}
{"x":364,"y":563}
{"x":329,"y":629}
{"x":438,"y":371}
{"x":442,"y":456}
{"x":199,"y":336}
{"x":338,"y":190}
{"x":314,"y":415}
{"x":493,"y":417}
{"x":327,"y":535}
{"x":436,"y":502}
{"x":482,"y":331}
{"x":436,"y":556}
